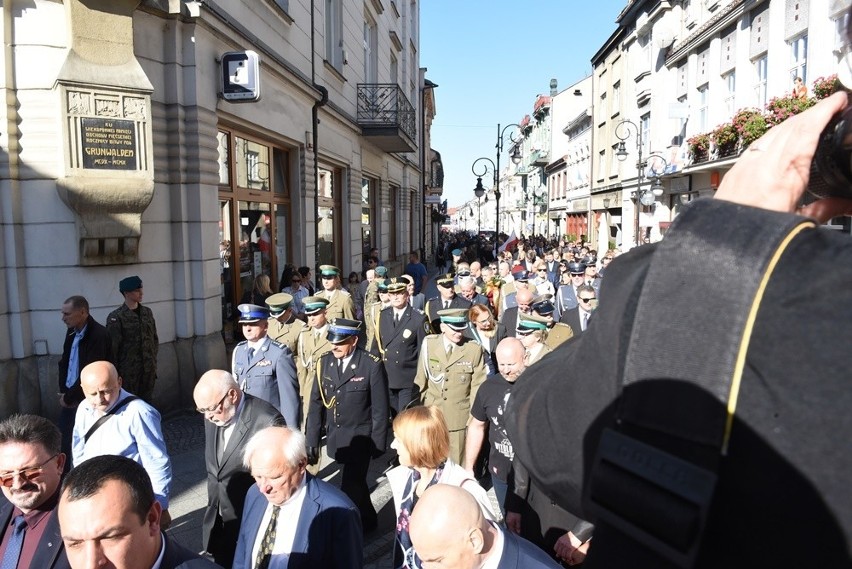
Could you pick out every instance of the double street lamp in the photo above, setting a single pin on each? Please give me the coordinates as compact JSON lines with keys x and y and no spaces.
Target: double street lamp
{"x":648,"y":196}
{"x":479,"y":190}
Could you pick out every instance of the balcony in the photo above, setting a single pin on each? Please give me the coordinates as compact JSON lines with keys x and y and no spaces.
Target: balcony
{"x":540,"y":157}
{"x":386,"y":117}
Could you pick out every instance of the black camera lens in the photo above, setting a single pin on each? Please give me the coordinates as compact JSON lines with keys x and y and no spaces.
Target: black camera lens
{"x":831,"y":168}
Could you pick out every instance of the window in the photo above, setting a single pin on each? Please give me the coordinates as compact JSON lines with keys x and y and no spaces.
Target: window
{"x":368,"y":216}
{"x":604,"y":106}
{"x":224,"y":159}
{"x":394,"y":69}
{"x":644,"y":63}
{"x":328,"y":215}
{"x":730,"y":95}
{"x":760,"y":66}
{"x":645,"y":126}
{"x":840,"y":24}
{"x":333,"y":34}
{"x":601,"y":164}
{"x":616,"y":97}
{"x":799,"y":58}
{"x":371,"y":53}
{"x":703,"y":103}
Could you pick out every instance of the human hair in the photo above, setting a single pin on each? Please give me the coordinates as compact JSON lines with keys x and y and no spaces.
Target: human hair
{"x":31,"y":429}
{"x":467,"y":281}
{"x":586,"y":288}
{"x":416,"y":256}
{"x":477,"y":310}
{"x":85,"y":480}
{"x":292,"y":441}
{"x":304,"y":271}
{"x":261,"y":284}
{"x":77,"y":302}
{"x":354,"y":275}
{"x":423,"y":431}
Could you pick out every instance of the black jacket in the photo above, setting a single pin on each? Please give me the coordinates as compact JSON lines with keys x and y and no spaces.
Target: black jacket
{"x":400,"y":345}
{"x":95,"y":346}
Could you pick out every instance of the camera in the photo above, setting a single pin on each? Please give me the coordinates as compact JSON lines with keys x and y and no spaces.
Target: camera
{"x":831,"y":168}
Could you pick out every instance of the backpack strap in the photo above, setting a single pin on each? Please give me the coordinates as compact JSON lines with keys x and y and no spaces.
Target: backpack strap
{"x":105,"y":417}
{"x":682,"y":374}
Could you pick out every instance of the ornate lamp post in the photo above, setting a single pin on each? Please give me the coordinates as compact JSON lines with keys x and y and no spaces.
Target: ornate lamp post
{"x":644,"y":197}
{"x":479,"y":190}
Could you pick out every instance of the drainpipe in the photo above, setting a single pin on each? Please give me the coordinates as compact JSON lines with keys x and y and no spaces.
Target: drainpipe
{"x":323,"y":100}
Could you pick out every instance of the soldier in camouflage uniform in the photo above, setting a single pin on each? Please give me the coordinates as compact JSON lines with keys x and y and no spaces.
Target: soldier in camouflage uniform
{"x":450,"y":370}
{"x":340,"y":303}
{"x":284,"y":327}
{"x":312,"y":343}
{"x":134,"y":338}
{"x":557,"y":332}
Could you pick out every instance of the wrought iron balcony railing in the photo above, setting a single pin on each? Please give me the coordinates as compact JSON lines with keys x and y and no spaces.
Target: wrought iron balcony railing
{"x":384,"y":105}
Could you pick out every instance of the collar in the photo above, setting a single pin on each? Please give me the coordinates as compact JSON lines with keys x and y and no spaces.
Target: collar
{"x":496,"y":552}
{"x":158,"y":563}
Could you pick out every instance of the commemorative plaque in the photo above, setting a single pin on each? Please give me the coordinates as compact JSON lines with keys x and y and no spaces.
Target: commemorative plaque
{"x":108,"y":144}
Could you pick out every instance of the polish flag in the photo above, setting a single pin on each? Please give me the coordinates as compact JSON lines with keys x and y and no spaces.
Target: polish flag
{"x":509,"y":243}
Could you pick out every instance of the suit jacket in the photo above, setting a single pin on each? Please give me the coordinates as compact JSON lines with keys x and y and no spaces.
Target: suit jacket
{"x":228,"y":480}
{"x":95,"y":346}
{"x":518,"y":553}
{"x":50,"y":553}
{"x":508,"y":322}
{"x":433,"y":305}
{"x":357,"y":399}
{"x":573,"y":319}
{"x":328,"y":533}
{"x":269,"y":374}
{"x":418,"y":302}
{"x":177,"y":556}
{"x":399,"y":345}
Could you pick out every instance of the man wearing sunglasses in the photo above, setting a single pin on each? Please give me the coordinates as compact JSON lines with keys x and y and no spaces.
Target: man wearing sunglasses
{"x":447,"y":298}
{"x":566,"y":296}
{"x":578,"y":317}
{"x":30,"y":472}
{"x":232,"y":417}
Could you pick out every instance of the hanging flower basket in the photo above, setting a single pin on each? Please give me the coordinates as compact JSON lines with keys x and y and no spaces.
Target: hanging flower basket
{"x":725,"y":139}
{"x":826,"y":86}
{"x":699,"y":147}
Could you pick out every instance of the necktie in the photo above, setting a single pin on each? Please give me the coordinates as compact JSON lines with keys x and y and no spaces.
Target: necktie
{"x":450,"y":350}
{"x":16,"y":542}
{"x":446,"y":304}
{"x":251,"y":354}
{"x":265,"y":552}
{"x":220,"y":443}
{"x":395,"y":319}
{"x":586,"y":321}
{"x":74,"y":361}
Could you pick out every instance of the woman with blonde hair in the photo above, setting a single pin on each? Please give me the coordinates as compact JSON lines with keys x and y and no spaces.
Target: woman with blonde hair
{"x":422,"y":442}
{"x":483,"y":330}
{"x":259,"y":292}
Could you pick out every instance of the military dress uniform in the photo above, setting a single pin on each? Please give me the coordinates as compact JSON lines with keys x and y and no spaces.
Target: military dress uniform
{"x":530,"y":324}
{"x":312,"y":343}
{"x":340,"y":302}
{"x":450,"y":380}
{"x":436,"y":304}
{"x":286,"y":333}
{"x":371,"y":318}
{"x":134,"y":343}
{"x":351,"y":401}
{"x":557,"y":332}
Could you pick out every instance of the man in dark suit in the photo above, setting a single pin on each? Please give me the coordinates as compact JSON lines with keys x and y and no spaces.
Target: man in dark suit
{"x":417,"y":301}
{"x":401,"y":332}
{"x":566,"y":295}
{"x":509,"y":318}
{"x":351,"y":401}
{"x":109,"y":517}
{"x":447,"y":298}
{"x":86,"y":341}
{"x":448,"y":525}
{"x":322,"y":527}
{"x":232,"y":418}
{"x":30,"y":471}
{"x":578,"y":317}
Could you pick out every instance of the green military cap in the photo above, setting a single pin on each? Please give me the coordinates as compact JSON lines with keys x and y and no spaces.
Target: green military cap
{"x":278,"y":303}
{"x":445,"y":281}
{"x":397,"y":284}
{"x":381,"y":271}
{"x":341,"y":329}
{"x":329,"y":271}
{"x":382,"y":284}
{"x":314,"y":304}
{"x":455,"y":318}
{"x":530,"y":323}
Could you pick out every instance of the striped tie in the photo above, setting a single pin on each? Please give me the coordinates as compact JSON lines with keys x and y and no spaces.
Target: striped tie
{"x":266,"y":546}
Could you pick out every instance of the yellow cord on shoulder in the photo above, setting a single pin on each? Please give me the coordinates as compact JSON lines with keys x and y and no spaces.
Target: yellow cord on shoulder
{"x":749,"y":327}
{"x":326,"y":404}
{"x":378,"y":334}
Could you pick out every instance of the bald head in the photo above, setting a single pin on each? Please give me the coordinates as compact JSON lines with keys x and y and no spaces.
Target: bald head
{"x":97,"y":373}
{"x":510,"y":358}
{"x":448,"y":524}
{"x":524,"y":298}
{"x":217,"y":395}
{"x":101,"y":386}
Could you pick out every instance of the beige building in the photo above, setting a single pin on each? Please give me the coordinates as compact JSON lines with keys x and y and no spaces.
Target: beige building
{"x":122,"y":156}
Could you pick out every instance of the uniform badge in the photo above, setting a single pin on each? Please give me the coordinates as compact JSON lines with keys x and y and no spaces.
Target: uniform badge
{"x":359,"y":378}
{"x":264,"y":363}
{"x":406,"y":333}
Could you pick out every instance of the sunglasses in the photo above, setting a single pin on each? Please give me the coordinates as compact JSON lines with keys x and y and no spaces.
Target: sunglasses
{"x":27,"y":474}
{"x":214,"y":408}
{"x":587,"y":299}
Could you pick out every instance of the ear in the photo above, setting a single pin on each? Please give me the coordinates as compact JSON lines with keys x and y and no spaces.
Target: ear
{"x":153,"y":517}
{"x":476,"y":540}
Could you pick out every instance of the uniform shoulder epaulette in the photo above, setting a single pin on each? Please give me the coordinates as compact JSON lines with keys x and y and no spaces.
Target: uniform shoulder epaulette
{"x":374,"y":357}
{"x":433,"y":336}
{"x":324,"y":354}
{"x":243,"y":343}
{"x":344,"y":291}
{"x":277,"y":344}
{"x":388,"y":307}
{"x":305,"y":329}
{"x":431,"y":299}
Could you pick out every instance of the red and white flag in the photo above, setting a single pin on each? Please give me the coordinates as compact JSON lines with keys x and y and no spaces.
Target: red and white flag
{"x":509,"y":243}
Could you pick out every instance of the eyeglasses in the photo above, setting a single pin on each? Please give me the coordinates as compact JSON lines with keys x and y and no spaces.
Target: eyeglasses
{"x":486,"y":321}
{"x":214,"y":408}
{"x":542,"y":270}
{"x":578,"y":274}
{"x":587,"y":299}
{"x":28,"y":473}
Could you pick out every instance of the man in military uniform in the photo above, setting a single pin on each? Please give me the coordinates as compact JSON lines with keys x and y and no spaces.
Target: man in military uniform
{"x":311,"y":345}
{"x":284,"y":327}
{"x":450,"y":370}
{"x":351,"y":399}
{"x":371,"y":296}
{"x":264,"y":368}
{"x":401,"y":332}
{"x":566,"y":295}
{"x":371,"y":316}
{"x":340,"y":303}
{"x":134,"y":338}
{"x":447,"y":298}
{"x":557,"y":332}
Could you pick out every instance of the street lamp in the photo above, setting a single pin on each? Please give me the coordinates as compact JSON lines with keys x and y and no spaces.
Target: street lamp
{"x":644,"y":197}
{"x":479,"y":190}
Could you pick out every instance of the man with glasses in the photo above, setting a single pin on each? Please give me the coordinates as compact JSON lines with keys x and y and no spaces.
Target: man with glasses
{"x":578,"y":317}
{"x":566,"y":296}
{"x":447,"y":298}
{"x":31,"y":465}
{"x":232,"y":417}
{"x":298,"y":292}
{"x":340,"y":303}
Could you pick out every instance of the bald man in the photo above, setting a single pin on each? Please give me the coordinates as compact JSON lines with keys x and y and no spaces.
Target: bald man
{"x":112,"y":421}
{"x":232,"y":417}
{"x":448,"y":527}
{"x":509,"y":317}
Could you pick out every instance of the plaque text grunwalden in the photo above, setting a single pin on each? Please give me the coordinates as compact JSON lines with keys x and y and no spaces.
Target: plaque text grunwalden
{"x":108,"y":144}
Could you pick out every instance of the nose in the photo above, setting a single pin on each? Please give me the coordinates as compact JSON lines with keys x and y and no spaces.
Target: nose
{"x":93,"y":556}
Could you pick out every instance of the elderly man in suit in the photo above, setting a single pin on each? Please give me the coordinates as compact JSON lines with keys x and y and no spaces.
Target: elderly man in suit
{"x":350,"y":399}
{"x":30,"y":472}
{"x":232,"y":418}
{"x":509,"y":317}
{"x":401,"y":332}
{"x":448,"y":526}
{"x":263,"y":367}
{"x":291,"y":519}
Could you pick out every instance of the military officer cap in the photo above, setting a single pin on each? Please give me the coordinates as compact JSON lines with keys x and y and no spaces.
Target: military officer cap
{"x":455,"y":318}
{"x":314,"y":304}
{"x":341,"y":329}
{"x":381,"y":271}
{"x":577,"y":268}
{"x":543,"y":304}
{"x":252,"y":313}
{"x":456,"y":252}
{"x":522,"y":276}
{"x":397,"y":284}
{"x":590,"y":260}
{"x":445,"y":281}
{"x":382,"y":285}
{"x":530,"y":323}
{"x":329,"y":271}
{"x":129,"y":284}
{"x":278,"y":303}
{"x":409,"y":279}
